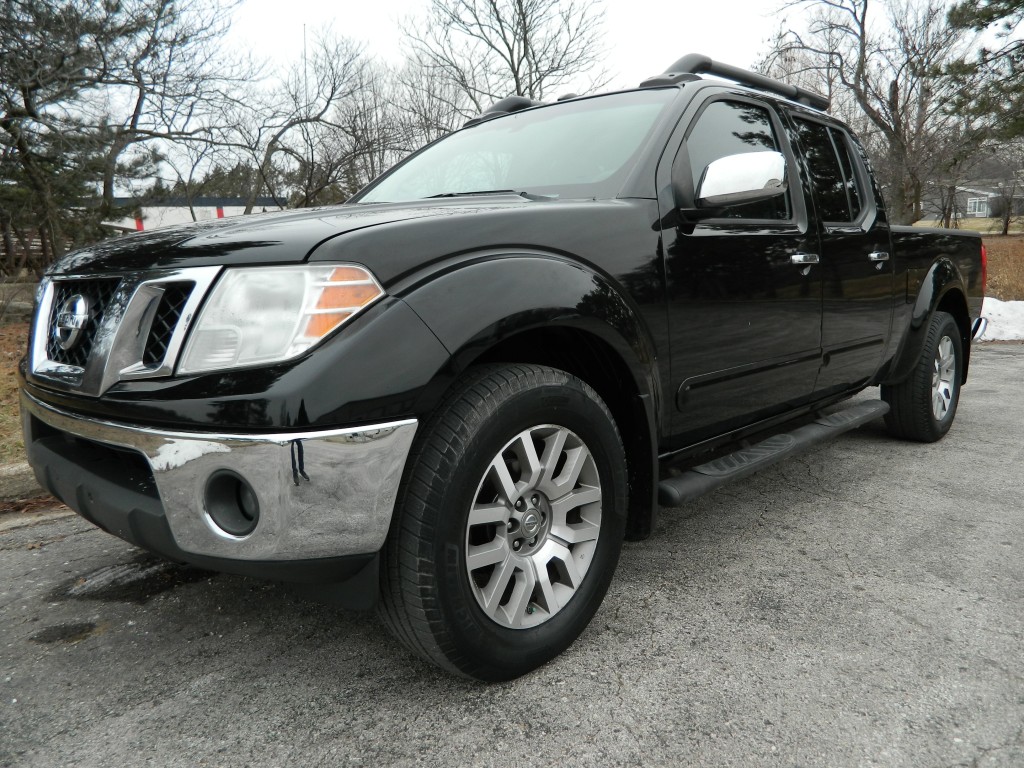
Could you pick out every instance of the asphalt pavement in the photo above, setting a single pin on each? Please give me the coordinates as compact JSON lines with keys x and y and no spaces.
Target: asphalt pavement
{"x":859,"y":605}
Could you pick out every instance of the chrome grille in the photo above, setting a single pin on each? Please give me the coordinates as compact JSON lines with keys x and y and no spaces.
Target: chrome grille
{"x":98,"y":293}
{"x":133,"y":328}
{"x":168,"y":313}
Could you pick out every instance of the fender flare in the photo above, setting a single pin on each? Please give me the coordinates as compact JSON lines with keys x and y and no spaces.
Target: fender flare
{"x":942,"y":284}
{"x":476,"y":302}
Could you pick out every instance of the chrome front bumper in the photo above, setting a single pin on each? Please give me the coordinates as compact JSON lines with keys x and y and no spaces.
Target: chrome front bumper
{"x":321,"y":494}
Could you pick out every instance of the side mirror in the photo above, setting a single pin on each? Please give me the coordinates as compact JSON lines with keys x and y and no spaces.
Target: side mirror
{"x":738,"y":179}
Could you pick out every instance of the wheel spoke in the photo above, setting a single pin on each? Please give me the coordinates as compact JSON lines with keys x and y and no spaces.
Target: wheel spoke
{"x":522,"y":593}
{"x":576,"y":533}
{"x":586,"y":494}
{"x":506,"y":486}
{"x":553,"y":446}
{"x":491,"y":553}
{"x":566,"y":566}
{"x":530,"y":462}
{"x":576,"y":459}
{"x":547,"y":590}
{"x":484,"y":514}
{"x":496,"y":586}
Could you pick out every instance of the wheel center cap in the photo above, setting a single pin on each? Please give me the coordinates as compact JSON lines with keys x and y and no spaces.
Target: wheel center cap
{"x":531,"y":523}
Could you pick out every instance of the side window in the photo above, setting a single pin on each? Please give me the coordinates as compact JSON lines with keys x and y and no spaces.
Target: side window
{"x":846,"y":161}
{"x":832,"y":175}
{"x":735,"y":128}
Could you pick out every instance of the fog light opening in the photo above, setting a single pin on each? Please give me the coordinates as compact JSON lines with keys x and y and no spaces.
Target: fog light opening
{"x":232,"y":503}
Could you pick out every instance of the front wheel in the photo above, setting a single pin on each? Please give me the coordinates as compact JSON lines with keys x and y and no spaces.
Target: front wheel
{"x":923,"y":406}
{"x":508,"y":525}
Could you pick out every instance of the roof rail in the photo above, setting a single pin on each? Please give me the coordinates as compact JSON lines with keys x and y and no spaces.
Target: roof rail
{"x":694,"y":63}
{"x":503,"y":107}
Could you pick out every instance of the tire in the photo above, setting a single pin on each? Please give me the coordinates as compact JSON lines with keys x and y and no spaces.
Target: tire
{"x":490,"y":570}
{"x":923,"y":406}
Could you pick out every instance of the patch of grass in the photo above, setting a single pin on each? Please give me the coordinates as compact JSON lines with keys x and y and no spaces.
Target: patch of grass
{"x":13,"y":343}
{"x":1005,"y":267}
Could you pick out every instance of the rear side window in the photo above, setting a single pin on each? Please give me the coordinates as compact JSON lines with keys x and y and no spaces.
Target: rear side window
{"x":832,"y":176}
{"x":735,"y":128}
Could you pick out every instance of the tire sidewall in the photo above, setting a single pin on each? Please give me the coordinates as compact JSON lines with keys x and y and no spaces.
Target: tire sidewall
{"x":497,"y":652}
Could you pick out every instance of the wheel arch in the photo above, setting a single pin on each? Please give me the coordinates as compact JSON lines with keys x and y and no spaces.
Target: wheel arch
{"x":942,"y":290}
{"x":551,"y":311}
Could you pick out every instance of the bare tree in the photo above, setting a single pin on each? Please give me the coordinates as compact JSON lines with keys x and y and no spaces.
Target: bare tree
{"x":169,"y":86}
{"x":430,"y":104}
{"x":893,"y":70}
{"x":1008,"y":206}
{"x":87,"y":91}
{"x":490,"y":49}
{"x":271,"y":125}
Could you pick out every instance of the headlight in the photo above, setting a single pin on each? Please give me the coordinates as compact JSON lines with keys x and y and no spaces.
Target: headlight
{"x":268,"y":314}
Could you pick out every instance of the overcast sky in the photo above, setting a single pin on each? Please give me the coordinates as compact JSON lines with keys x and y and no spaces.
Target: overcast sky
{"x":643,"y":37}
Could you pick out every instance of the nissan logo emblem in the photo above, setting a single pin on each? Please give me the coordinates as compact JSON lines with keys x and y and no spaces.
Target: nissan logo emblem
{"x":71,"y":320}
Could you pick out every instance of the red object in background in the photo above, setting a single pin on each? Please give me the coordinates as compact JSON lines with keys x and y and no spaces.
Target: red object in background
{"x":220,"y":212}
{"x":138,"y":223}
{"x":984,"y":266}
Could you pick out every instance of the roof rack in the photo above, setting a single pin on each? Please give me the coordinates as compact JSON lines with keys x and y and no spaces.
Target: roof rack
{"x":503,"y":107}
{"x":692,"y":64}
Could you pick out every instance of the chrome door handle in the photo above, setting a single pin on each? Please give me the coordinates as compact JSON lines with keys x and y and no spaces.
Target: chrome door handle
{"x":804,"y":258}
{"x":878,"y":256}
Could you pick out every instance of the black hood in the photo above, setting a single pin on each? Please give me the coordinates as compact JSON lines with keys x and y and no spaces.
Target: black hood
{"x":391,"y":239}
{"x":263,"y":238}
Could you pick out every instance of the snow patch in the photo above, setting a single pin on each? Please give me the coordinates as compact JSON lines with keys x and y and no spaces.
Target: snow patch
{"x":1005,"y":320}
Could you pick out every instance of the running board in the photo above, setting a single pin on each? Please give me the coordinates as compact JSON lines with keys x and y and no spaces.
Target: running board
{"x":673,"y":491}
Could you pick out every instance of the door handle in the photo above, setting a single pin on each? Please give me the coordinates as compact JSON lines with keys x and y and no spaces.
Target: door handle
{"x":878,"y":256}
{"x":804,"y":258}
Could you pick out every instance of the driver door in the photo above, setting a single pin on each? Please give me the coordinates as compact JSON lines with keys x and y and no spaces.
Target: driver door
{"x":744,"y":288}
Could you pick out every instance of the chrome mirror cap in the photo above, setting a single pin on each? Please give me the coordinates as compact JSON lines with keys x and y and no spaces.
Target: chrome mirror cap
{"x":744,"y":178}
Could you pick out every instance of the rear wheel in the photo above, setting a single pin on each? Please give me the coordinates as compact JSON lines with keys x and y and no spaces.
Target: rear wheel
{"x":508,"y":525}
{"x":923,"y":406}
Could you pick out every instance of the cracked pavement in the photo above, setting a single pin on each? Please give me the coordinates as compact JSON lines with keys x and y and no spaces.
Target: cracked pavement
{"x":859,"y":605}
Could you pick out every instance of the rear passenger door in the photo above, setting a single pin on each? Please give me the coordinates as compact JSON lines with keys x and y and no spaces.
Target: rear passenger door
{"x":856,"y":263}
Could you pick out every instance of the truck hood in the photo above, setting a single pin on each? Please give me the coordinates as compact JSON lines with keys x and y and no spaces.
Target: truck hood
{"x":263,"y":238}
{"x":392,"y":239}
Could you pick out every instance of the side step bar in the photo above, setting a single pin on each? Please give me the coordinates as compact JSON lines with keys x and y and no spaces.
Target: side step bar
{"x":673,"y":491}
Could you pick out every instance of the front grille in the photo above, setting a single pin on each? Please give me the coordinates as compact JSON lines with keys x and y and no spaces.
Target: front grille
{"x":168,"y":313}
{"x":98,"y":293}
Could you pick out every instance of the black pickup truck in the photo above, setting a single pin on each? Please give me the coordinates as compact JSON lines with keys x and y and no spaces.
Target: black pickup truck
{"x":452,"y":397}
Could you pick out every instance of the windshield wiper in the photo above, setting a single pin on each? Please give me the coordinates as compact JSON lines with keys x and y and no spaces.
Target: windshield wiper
{"x":527,"y":195}
{"x":470,"y":194}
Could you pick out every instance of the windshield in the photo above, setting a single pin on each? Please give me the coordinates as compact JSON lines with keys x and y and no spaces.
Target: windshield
{"x":573,"y":149}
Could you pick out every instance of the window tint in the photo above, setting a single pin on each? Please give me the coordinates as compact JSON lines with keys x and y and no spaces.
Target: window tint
{"x":735,"y":128}
{"x":831,"y":168}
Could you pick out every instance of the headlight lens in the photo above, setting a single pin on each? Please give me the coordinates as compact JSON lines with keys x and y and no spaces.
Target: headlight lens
{"x":268,"y":314}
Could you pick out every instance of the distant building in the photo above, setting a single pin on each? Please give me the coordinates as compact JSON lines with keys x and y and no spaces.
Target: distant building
{"x":980,"y":200}
{"x":152,"y":214}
